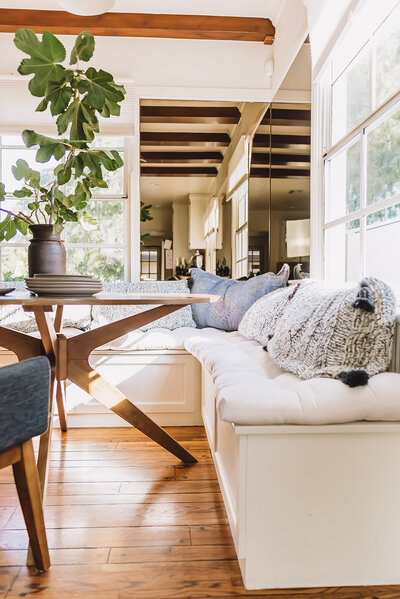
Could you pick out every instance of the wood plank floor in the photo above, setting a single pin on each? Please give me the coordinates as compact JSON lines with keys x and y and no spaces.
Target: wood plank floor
{"x":126,"y":520}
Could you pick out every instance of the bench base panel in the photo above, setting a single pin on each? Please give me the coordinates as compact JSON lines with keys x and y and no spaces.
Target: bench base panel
{"x":311,"y":506}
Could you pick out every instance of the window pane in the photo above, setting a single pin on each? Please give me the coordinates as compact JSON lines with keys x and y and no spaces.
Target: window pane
{"x":351,"y":95}
{"x":14,"y":263}
{"x":382,"y":244}
{"x":114,"y":180}
{"x":108,"y":141}
{"x":383,"y":151}
{"x":106,"y":264}
{"x":388,"y":58}
{"x":342,"y":194}
{"x":342,"y":253}
{"x":10,"y":157}
{"x":109,"y":228}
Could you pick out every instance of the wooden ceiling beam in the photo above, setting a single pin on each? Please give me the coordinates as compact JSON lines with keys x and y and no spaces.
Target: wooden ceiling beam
{"x":281,"y":141}
{"x":220,"y":115}
{"x":200,"y":27}
{"x":287,"y":114}
{"x":215,"y":140}
{"x":280,"y":173}
{"x":262,"y":159}
{"x":178,"y":171}
{"x":189,"y":157}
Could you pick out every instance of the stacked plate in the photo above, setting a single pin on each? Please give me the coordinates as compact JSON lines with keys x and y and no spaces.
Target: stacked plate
{"x":63,"y":285}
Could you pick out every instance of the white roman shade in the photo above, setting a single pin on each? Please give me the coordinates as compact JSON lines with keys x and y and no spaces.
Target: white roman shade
{"x":17,"y":111}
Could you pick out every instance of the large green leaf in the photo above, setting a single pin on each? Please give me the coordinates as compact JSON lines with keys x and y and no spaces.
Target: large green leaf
{"x":48,"y":146}
{"x":7,"y":228}
{"x":22,"y":170}
{"x":99,"y":87}
{"x":45,"y":56}
{"x":58,"y":95}
{"x":95,"y":159}
{"x":2,"y":192}
{"x":82,"y":118}
{"x":83,"y":48}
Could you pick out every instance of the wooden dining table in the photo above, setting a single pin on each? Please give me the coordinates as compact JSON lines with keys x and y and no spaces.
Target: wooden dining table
{"x":69,"y":356}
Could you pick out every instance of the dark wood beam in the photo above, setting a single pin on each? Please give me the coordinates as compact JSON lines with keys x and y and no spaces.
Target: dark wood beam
{"x":178,"y":171}
{"x":171,"y":157}
{"x":215,"y":140}
{"x":198,"y":27}
{"x":221,"y":115}
{"x":281,"y":141}
{"x":280,"y":173}
{"x":262,"y":159}
{"x":287,"y":114}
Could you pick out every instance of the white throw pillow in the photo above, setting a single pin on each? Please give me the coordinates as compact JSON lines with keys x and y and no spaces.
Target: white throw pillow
{"x":261,"y":318}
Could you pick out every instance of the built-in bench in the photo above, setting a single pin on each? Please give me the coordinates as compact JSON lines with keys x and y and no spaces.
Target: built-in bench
{"x":308,"y":504}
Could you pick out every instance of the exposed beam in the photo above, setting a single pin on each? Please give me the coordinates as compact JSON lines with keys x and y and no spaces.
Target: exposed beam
{"x":216,"y":140}
{"x":280,"y":173}
{"x":199,"y":27}
{"x":171,"y":157}
{"x":170,"y":171}
{"x":221,"y":115}
{"x":281,"y":141}
{"x":287,"y":114}
{"x":262,"y":159}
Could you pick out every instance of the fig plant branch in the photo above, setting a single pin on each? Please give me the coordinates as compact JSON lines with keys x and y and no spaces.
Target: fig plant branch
{"x":76,"y":99}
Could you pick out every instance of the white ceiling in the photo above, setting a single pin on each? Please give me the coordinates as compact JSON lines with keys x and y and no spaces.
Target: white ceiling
{"x":234,"y":8}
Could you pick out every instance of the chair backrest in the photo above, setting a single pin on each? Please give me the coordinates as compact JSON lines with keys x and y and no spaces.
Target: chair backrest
{"x":24,"y":401}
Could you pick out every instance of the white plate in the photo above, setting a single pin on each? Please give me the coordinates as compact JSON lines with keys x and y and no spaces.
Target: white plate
{"x":64,"y":276}
{"x":71,"y":284}
{"x":80,"y":293}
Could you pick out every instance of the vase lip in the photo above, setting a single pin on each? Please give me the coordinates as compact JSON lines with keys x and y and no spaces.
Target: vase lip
{"x":42,"y":226}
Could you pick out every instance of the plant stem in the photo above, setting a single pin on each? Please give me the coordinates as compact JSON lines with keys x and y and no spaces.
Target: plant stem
{"x":20,"y":216}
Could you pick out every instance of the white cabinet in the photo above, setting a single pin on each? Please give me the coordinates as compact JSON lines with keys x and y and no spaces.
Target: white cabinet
{"x":197,"y":210}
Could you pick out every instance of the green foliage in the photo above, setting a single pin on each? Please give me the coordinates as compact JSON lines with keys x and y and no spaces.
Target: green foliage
{"x":144,"y":216}
{"x":75,"y":98}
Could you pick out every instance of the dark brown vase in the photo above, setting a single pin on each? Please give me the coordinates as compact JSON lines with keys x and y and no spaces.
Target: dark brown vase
{"x":46,"y":252}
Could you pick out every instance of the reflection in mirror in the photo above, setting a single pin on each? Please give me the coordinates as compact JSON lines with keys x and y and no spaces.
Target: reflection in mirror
{"x":279,"y":187}
{"x":183,"y":222}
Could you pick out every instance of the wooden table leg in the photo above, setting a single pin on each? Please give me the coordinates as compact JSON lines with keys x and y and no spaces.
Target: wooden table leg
{"x":82,"y":374}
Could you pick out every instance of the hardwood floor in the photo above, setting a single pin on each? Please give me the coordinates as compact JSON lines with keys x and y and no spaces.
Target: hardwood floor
{"x":126,"y":520}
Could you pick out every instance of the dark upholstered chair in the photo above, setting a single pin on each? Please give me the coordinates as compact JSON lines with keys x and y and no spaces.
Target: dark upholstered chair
{"x":24,"y":412}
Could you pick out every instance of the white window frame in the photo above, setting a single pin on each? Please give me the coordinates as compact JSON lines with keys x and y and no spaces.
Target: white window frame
{"x":126,"y":197}
{"x":322,"y":150}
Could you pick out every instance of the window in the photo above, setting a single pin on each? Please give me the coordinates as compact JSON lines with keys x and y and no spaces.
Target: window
{"x":100,"y":249}
{"x":240,"y":200}
{"x":254,"y":257}
{"x":149,"y":263}
{"x":361,"y":220}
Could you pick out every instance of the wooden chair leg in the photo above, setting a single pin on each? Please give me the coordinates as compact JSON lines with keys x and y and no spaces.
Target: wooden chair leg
{"x":60,"y":395}
{"x":30,"y":497}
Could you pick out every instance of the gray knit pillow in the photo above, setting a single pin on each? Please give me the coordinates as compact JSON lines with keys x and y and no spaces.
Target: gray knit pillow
{"x":181,"y":318}
{"x":329,"y":332}
{"x":261,"y":318}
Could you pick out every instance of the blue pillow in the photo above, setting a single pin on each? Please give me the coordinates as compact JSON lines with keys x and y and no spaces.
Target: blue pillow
{"x":236,"y":296}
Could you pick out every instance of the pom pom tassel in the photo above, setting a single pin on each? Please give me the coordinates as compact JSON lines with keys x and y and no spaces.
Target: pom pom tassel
{"x":354,"y":378}
{"x":364,"y":298}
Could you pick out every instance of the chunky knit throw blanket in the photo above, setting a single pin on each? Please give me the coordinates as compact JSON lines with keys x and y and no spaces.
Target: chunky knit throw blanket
{"x":346,"y":333}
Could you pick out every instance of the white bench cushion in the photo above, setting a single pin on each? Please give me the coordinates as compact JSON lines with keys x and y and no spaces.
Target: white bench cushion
{"x":153,"y":339}
{"x":252,"y":390}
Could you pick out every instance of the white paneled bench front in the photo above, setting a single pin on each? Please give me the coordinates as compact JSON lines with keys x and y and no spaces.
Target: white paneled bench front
{"x":309,"y":470}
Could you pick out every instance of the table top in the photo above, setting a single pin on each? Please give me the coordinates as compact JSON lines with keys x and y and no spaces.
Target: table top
{"x":110,"y":299}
